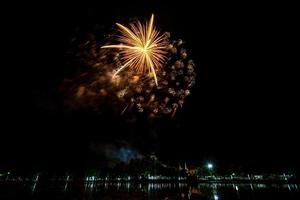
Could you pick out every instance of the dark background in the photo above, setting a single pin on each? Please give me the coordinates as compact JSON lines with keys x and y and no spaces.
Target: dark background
{"x":243,"y":110}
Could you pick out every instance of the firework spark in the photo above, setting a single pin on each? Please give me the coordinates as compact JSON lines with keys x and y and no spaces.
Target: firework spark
{"x":142,"y":47}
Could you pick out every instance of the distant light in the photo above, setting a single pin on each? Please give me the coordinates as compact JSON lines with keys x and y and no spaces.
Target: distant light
{"x":8,"y":173}
{"x":210,"y":165}
{"x":37,"y":178}
{"x":216,"y":197}
{"x":236,"y":188}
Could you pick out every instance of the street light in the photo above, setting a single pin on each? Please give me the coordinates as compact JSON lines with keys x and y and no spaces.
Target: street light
{"x":210,"y":166}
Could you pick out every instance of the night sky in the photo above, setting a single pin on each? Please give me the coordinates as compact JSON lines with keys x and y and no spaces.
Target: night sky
{"x":242,"y":111}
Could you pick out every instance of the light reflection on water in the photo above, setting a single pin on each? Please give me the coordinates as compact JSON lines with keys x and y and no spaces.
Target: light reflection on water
{"x":184,"y":191}
{"x":166,"y":191}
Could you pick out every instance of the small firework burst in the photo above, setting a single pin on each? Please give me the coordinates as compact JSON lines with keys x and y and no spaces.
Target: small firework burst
{"x":143,"y":48}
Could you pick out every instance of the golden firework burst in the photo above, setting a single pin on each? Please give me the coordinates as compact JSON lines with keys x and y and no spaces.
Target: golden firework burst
{"x":142,"y":47}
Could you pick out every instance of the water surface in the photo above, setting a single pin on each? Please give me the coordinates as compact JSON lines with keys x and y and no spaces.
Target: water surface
{"x":165,"y":191}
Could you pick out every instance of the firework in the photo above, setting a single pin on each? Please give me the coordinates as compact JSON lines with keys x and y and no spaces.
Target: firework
{"x":129,"y":92}
{"x":143,"y":48}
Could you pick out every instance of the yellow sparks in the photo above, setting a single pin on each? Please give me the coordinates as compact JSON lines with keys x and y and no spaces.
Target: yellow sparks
{"x":142,"y":48}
